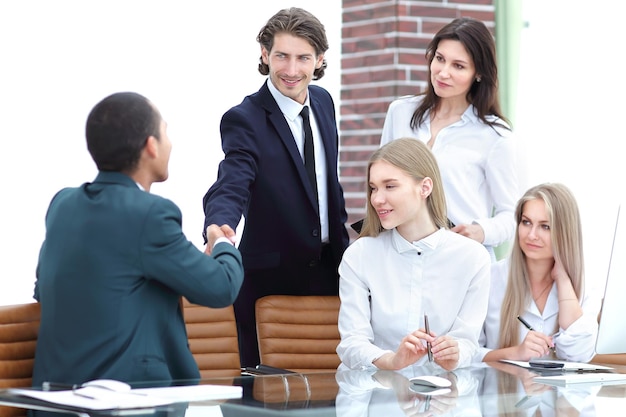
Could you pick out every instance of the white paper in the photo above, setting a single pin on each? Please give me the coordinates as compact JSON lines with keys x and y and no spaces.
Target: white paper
{"x":96,"y":398}
{"x":189,"y":393}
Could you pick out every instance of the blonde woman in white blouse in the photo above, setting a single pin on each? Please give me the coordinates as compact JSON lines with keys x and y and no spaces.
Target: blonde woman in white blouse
{"x":406,"y":263}
{"x":545,"y":286}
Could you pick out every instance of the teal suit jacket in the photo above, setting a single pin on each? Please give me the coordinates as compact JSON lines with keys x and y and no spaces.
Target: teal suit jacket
{"x":110,"y":273}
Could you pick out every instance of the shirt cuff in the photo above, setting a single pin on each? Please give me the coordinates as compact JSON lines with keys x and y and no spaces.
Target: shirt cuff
{"x":223,"y":240}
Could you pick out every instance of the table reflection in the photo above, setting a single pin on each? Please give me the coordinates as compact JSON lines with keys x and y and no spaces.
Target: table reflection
{"x":486,"y":390}
{"x":509,"y":390}
{"x":388,"y":393}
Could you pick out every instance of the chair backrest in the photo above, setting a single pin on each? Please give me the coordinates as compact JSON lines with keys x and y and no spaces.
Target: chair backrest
{"x":213,"y":341}
{"x":19,"y":327}
{"x":298,"y":333}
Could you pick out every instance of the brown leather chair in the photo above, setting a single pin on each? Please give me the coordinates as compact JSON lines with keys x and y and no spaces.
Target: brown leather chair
{"x":19,"y":327}
{"x":298,"y":333}
{"x":213,"y":341}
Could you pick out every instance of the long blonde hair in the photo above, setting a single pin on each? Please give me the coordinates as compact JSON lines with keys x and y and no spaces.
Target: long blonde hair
{"x":567,"y":246}
{"x":413,"y":157}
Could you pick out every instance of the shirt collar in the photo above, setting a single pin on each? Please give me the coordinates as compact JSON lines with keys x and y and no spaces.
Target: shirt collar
{"x":428,"y":244}
{"x":290,"y":108}
{"x":468,"y":116}
{"x":551,"y":307}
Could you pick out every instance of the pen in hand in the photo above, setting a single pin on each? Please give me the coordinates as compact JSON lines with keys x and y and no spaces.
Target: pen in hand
{"x":525,"y":323}
{"x":428,"y":345}
{"x":530,"y":328}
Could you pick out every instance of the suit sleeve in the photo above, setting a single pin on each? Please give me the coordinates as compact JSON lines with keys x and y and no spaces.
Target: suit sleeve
{"x":226,"y":200}
{"x":168,"y":257}
{"x":43,"y":245}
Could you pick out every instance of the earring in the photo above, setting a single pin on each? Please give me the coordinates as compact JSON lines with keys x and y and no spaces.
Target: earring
{"x":477,"y":79}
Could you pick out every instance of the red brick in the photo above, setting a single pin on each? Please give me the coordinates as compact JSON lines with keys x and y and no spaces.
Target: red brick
{"x":364,"y":107}
{"x":354,"y":187}
{"x":475,"y":2}
{"x":352,"y":171}
{"x":370,"y":44}
{"x":368,"y":92}
{"x":416,"y":42}
{"x":407,"y":58}
{"x":409,"y":89}
{"x":444,"y":12}
{"x":358,"y":3}
{"x":365,"y":61}
{"x":358,"y":140}
{"x":407,"y":26}
{"x":384,"y":10}
{"x":357,"y":155}
{"x":374,"y":76}
{"x":370,"y":28}
{"x":362,"y":123}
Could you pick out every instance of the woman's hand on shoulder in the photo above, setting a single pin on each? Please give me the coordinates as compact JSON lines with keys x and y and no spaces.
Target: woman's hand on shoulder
{"x":473,"y":231}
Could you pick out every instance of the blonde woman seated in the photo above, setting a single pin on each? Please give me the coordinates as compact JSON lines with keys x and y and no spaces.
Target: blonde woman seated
{"x":406,"y":263}
{"x":545,"y":286}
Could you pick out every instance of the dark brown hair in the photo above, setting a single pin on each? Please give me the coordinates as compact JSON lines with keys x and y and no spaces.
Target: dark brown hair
{"x":297,"y":22}
{"x":480,"y":45}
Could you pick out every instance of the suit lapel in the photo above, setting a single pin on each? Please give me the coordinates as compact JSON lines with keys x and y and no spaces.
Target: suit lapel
{"x":277,"y":119}
{"x":322,"y":117}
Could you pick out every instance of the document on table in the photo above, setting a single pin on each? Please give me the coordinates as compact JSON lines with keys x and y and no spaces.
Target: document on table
{"x":592,"y":378}
{"x":190,"y":393}
{"x":557,"y":365}
{"x":96,"y":398}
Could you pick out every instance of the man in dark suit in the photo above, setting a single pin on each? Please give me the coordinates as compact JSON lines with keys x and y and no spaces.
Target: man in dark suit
{"x":115,"y":261}
{"x":294,"y":235}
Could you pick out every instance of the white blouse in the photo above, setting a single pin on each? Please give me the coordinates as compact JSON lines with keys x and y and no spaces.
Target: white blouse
{"x":386,"y":285}
{"x":477,"y":163}
{"x":576,"y":344}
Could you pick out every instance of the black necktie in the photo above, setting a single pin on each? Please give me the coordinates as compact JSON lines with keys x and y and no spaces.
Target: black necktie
{"x":309,"y":153}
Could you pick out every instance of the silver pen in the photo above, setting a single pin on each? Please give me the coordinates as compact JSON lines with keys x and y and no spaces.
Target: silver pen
{"x":428,"y":346}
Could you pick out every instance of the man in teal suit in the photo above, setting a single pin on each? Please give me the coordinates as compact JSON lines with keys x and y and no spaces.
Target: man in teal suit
{"x":115,"y":261}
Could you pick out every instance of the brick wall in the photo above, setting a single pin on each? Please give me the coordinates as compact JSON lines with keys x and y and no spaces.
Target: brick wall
{"x":382,"y":58}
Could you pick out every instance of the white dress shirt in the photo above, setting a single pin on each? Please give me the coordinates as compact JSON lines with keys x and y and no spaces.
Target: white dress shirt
{"x":576,"y":344}
{"x":291,"y":111}
{"x":478,"y":167}
{"x":386,"y":285}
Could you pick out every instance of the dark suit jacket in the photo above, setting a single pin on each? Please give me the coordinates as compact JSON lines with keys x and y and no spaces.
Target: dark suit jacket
{"x":263,"y":177}
{"x":111,"y":270}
